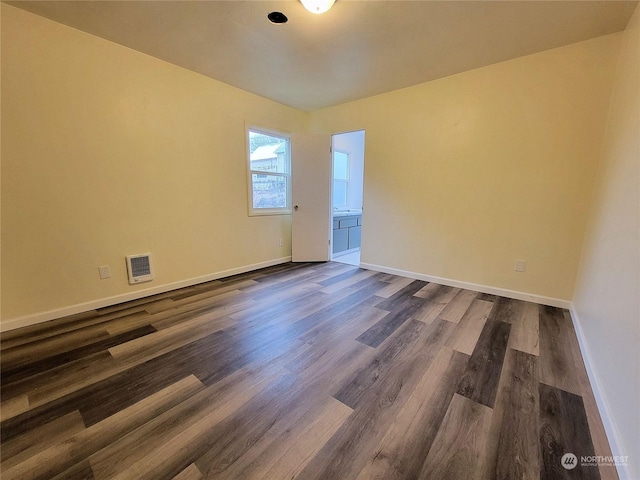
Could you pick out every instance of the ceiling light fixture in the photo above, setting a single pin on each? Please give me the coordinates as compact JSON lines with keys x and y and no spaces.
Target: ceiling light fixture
{"x":317,"y":6}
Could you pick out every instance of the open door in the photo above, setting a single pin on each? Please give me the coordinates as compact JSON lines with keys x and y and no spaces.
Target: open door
{"x":311,"y":197}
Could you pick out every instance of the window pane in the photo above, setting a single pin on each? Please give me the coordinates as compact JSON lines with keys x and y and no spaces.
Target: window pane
{"x":340,"y":166}
{"x":267,"y":153}
{"x":339,"y":193}
{"x":269,"y":172}
{"x":269,"y":191}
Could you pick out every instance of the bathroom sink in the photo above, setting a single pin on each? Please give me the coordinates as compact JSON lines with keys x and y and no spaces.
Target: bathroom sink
{"x":344,"y":213}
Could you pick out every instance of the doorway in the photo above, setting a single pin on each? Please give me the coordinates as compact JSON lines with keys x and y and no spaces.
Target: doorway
{"x":346,"y":196}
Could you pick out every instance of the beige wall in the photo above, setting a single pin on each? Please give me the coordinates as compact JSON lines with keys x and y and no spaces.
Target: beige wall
{"x":466,"y":174}
{"x":108,"y":152}
{"x":607,"y":297}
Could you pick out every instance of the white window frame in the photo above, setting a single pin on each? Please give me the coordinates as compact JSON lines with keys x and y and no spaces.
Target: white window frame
{"x":287,"y":174}
{"x":346,"y":182}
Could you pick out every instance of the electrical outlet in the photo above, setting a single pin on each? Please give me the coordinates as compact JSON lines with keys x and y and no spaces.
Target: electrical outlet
{"x":520,"y":265}
{"x":105,"y":271}
{"x":280,"y":242}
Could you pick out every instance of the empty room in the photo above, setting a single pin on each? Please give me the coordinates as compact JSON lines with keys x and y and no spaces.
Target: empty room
{"x":177,"y":176}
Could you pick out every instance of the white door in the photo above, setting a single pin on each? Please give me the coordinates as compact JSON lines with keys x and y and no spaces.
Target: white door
{"x":311,"y":197}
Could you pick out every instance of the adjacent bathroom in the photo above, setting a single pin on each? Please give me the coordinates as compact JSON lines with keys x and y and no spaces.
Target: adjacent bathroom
{"x":347,"y":194}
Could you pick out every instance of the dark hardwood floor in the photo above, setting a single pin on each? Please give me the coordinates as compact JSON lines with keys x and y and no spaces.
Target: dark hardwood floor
{"x":308,"y":371}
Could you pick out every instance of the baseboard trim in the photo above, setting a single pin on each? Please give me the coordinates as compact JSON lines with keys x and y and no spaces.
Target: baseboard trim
{"x":28,"y":320}
{"x":624,"y":472}
{"x":554,"y":302}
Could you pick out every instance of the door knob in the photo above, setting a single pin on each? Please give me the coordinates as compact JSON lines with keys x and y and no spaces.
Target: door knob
{"x":295,"y":208}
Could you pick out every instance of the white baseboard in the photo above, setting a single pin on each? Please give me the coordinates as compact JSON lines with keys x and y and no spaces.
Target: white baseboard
{"x":27,"y":320}
{"x":554,"y":302}
{"x":624,"y":472}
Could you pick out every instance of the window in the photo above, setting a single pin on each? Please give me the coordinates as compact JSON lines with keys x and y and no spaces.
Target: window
{"x":269,"y":172}
{"x":340,"y":179}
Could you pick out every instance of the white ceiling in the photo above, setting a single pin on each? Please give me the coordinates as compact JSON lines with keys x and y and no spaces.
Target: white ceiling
{"x":357,"y":49}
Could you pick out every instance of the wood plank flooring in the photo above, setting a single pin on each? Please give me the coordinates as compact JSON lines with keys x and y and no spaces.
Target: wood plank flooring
{"x":309,"y":371}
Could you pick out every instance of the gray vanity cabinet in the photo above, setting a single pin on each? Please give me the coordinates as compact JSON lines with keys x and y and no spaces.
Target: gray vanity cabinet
{"x":347,"y":232}
{"x":340,"y":240}
{"x":355,"y":235}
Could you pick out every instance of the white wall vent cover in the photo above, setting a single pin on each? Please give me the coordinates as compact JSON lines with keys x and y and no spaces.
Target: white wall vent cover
{"x":139,"y":268}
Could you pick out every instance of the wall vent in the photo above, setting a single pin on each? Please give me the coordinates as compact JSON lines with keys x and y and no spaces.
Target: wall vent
{"x":139,"y":268}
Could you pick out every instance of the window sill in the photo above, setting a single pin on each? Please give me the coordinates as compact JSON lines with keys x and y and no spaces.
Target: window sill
{"x":269,"y":211}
